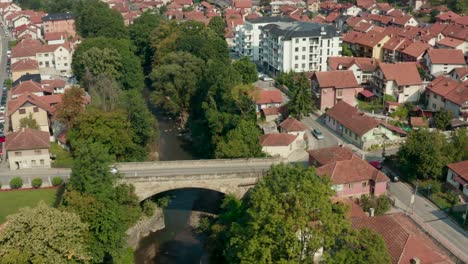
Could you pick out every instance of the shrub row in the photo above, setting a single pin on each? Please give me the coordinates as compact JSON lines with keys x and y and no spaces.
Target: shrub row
{"x":17,"y":182}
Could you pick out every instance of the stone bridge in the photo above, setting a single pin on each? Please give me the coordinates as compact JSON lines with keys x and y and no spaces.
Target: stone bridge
{"x":228,"y":176}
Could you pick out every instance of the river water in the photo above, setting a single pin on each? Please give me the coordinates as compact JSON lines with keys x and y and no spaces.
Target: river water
{"x":178,"y":242}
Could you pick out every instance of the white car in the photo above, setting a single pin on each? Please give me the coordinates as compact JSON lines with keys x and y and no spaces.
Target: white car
{"x":114,"y":170}
{"x":267,"y":78}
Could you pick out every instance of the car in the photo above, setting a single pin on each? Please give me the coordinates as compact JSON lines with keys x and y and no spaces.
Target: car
{"x":266,"y":78}
{"x":2,"y":137}
{"x":393,"y":177}
{"x":376,"y":164}
{"x":114,"y":170}
{"x":317,"y":133}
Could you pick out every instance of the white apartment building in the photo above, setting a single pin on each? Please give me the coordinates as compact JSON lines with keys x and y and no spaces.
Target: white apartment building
{"x":298,"y":46}
{"x":247,"y":40}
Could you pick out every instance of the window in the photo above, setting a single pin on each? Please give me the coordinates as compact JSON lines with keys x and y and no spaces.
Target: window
{"x":296,"y":57}
{"x":304,"y":39}
{"x":350,"y":186}
{"x":364,"y":184}
{"x":40,"y":63}
{"x":37,"y":152}
{"x":303,"y":65}
{"x":303,"y":57}
{"x":36,"y":109}
{"x":18,"y":154}
{"x":22,"y":111}
{"x":42,"y":162}
{"x":296,"y":66}
{"x":296,"y":49}
{"x":303,"y":48}
{"x":433,"y":106}
{"x":33,"y":162}
{"x":46,"y":55}
{"x":339,"y":92}
{"x":297,"y":40}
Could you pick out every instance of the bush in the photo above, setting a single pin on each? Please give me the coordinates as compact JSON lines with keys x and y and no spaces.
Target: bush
{"x":56,"y":181}
{"x":16,"y":183}
{"x":380,"y":204}
{"x":36,"y":183}
{"x":149,"y":207}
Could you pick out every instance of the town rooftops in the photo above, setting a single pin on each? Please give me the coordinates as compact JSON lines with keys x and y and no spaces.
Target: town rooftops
{"x":27,"y":138}
{"x":336,"y":79}
{"x":329,"y":155}
{"x":403,"y":73}
{"x":461,"y":71}
{"x":446,"y":56}
{"x":291,"y":124}
{"x":404,"y":240}
{"x":57,"y":16}
{"x":450,"y":42}
{"x":24,"y":65}
{"x":277,"y":140}
{"x":298,"y":29}
{"x":27,"y":87}
{"x":448,"y":16}
{"x":416,"y":49}
{"x":459,"y":95}
{"x":351,"y":118}
{"x":262,"y":96}
{"x":343,"y":63}
{"x":460,"y":168}
{"x":371,"y":38}
{"x":15,"y":104}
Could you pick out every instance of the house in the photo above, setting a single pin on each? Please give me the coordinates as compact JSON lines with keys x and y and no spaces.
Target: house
{"x":56,"y":86}
{"x":59,"y":22}
{"x":271,"y":114}
{"x":28,"y":148}
{"x":447,"y":17}
{"x":391,"y":49}
{"x":294,"y":127}
{"x":453,"y":43}
{"x":25,"y":49}
{"x":442,"y":61}
{"x":279,"y":144}
{"x":22,"y":67}
{"x":405,"y":241}
{"x":367,"y":44}
{"x":414,"y":51}
{"x":403,"y":21}
{"x":457,"y":176}
{"x":53,"y":38}
{"x":361,"y":130}
{"x":267,"y":98}
{"x":437,"y":90}
{"x":400,"y":80}
{"x":313,"y":5}
{"x":29,"y":87}
{"x":56,"y":57}
{"x":350,"y":175}
{"x":460,"y":73}
{"x":362,"y":68}
{"x":353,"y":11}
{"x":27,"y":104}
{"x":332,"y":87}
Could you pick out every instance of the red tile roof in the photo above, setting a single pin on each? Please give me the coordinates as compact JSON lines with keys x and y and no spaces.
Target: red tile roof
{"x":417,"y":122}
{"x":329,"y":155}
{"x":446,"y":56}
{"x":416,"y":49}
{"x":353,"y":21}
{"x":459,"y":95}
{"x":404,"y":240}
{"x":450,"y":42}
{"x":343,"y":63}
{"x":448,"y":16}
{"x":25,"y":48}
{"x":371,"y":38}
{"x":461,"y":71}
{"x":403,"y":73}
{"x":183,"y":2}
{"x":363,"y":27}
{"x":15,"y":104}
{"x":24,"y":65}
{"x":292,"y":125}
{"x":351,"y":118}
{"x":27,"y":87}
{"x":262,"y":96}
{"x":26,"y":139}
{"x":242,"y":3}
{"x":460,"y":168}
{"x":277,"y":140}
{"x":336,"y":79}
{"x":48,"y":36}
{"x":442,"y":85}
{"x":365,"y":3}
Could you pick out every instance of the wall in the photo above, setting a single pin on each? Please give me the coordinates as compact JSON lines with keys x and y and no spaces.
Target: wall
{"x":357,"y":190}
{"x":377,"y":52}
{"x":435,"y":101}
{"x":441,"y":69}
{"x":17,"y":74}
{"x":410,"y":94}
{"x":60,"y":26}
{"x":282,"y":151}
{"x":40,"y":116}
{"x":62,"y":59}
{"x":27,"y":157}
{"x":454,"y":108}
{"x":380,"y":188}
{"x":144,"y":227}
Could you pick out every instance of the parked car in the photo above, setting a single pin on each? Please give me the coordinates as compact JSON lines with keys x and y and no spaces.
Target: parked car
{"x":2,"y":137}
{"x":114,"y":170}
{"x":376,"y":164}
{"x":392,"y":176}
{"x":266,"y":78}
{"x":317,"y":133}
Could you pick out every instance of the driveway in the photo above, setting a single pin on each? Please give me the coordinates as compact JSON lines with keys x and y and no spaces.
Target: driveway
{"x":329,"y":140}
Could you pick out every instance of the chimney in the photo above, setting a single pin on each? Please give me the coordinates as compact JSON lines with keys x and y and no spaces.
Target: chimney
{"x":415,"y":261}
{"x":371,"y":212}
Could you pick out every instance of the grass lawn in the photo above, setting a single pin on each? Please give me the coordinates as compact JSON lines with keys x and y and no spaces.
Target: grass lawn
{"x":12,"y":201}
{"x":63,"y":159}
{"x":374,"y":105}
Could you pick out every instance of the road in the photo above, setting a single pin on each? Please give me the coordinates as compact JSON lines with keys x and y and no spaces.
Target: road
{"x":431,"y":218}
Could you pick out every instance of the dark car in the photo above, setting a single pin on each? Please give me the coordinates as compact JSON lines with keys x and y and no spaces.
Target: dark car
{"x":376,"y":164}
{"x":393,"y":177}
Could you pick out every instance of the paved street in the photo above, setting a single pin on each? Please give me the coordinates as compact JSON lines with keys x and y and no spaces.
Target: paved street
{"x":433,"y":220}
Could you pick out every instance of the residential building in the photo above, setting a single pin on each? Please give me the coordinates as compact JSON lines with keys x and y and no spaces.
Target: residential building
{"x":393,"y":47}
{"x":22,"y":67}
{"x":294,"y":127}
{"x":414,"y":51}
{"x":361,"y":130}
{"x":453,"y":43}
{"x":279,"y":144}
{"x":275,"y":6}
{"x":437,"y":90}
{"x":28,"y":148}
{"x":57,"y":57}
{"x":249,"y":34}
{"x":298,"y":46}
{"x":363,"y":68}
{"x":61,"y":22}
{"x":405,"y":241}
{"x":460,"y":73}
{"x":350,"y":175}
{"x":25,"y":49}
{"x":29,"y":87}
{"x":367,"y":44}
{"x":267,"y":98}
{"x":400,"y":80}
{"x":27,"y":104}
{"x":457,"y":176}
{"x":442,"y":61}
{"x":332,"y":87}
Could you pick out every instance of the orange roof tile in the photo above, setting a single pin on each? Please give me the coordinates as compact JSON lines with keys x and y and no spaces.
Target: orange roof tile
{"x":277,"y":140}
{"x":460,"y":168}
{"x":403,"y":73}
{"x":446,"y":56}
{"x":25,"y":64}
{"x":262,"y":96}
{"x":292,"y":125}
{"x":27,"y":138}
{"x":351,"y":118}
{"x":336,"y":79}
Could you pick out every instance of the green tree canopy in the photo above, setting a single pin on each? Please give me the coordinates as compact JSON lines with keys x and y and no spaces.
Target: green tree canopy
{"x":301,"y":103}
{"x":29,"y":122}
{"x":442,"y":119}
{"x":247,"y":70}
{"x":241,"y":142}
{"x":44,"y":235}
{"x":102,"y":61}
{"x":217,"y":25}
{"x":96,"y":19}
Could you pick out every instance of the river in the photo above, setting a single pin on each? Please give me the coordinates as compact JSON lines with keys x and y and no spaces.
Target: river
{"x":178,"y":242}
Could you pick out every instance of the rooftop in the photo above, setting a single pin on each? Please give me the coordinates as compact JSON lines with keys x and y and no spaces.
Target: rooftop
{"x":57,"y":16}
{"x":351,"y":118}
{"x":27,"y":138}
{"x":460,"y":168}
{"x":446,"y":56}
{"x":277,"y":140}
{"x":298,"y":29}
{"x":403,"y":73}
{"x":337,"y":79}
{"x":292,"y":125}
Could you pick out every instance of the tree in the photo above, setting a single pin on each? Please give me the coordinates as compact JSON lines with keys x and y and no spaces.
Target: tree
{"x":175,"y":83}
{"x":104,"y":90}
{"x":140,"y":31}
{"x":102,"y":61}
{"x":29,"y":122}
{"x":301,"y":103}
{"x":381,"y":204}
{"x":247,"y":70}
{"x":420,"y":159}
{"x":44,"y":235}
{"x":110,"y":129}
{"x":457,"y":147}
{"x":241,"y":142}
{"x":346,"y":51}
{"x":401,"y":112}
{"x":96,"y":19}
{"x":217,"y":25}
{"x":73,"y":104}
{"x":286,"y":79}
{"x":443,"y":119}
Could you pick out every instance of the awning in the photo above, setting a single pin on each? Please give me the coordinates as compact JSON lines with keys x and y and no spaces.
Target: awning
{"x":367,"y":93}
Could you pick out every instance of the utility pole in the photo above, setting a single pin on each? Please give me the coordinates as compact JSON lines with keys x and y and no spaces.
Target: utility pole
{"x":413,"y":197}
